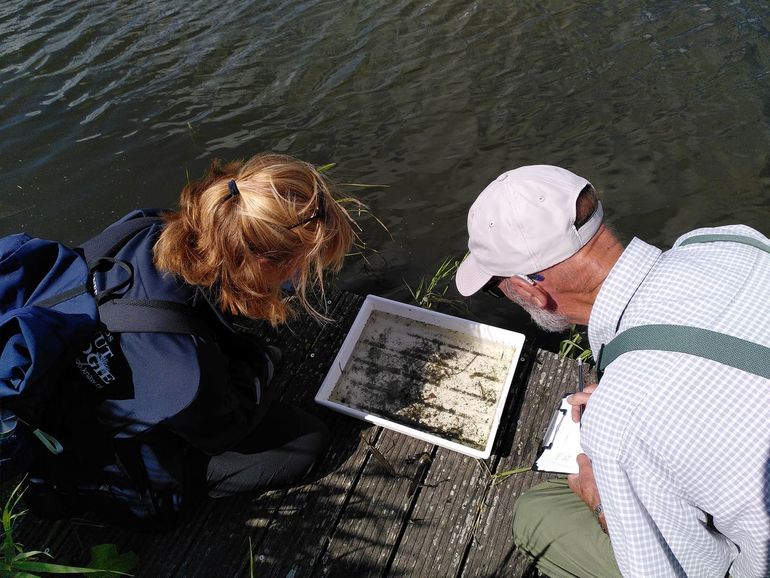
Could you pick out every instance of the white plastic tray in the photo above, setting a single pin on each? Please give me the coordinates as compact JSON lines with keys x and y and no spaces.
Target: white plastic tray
{"x":436,"y":357}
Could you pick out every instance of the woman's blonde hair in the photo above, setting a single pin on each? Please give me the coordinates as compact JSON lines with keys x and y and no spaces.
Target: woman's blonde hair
{"x":243,"y":224}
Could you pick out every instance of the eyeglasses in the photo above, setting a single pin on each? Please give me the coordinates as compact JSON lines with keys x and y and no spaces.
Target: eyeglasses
{"x":492,"y":287}
{"x":317,"y":214}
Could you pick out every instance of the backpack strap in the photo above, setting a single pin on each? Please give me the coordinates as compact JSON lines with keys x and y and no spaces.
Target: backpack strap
{"x":725,"y":349}
{"x":128,"y":456}
{"x":137,"y":315}
{"x":152,"y":316}
{"x":98,"y":253}
{"x":61,"y":297}
{"x":109,"y":241}
{"x":142,"y":315}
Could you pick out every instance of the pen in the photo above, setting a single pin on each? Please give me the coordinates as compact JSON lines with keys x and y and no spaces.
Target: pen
{"x":581,"y":384}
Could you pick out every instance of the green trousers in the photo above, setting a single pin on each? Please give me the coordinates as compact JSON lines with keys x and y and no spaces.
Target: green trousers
{"x":556,"y":529}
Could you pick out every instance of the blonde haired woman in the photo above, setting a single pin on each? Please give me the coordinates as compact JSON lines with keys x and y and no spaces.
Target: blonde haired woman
{"x":181,"y":403}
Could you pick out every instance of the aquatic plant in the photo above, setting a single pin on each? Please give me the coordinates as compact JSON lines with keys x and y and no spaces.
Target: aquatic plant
{"x":571,"y":348}
{"x":15,"y":562}
{"x":357,"y":209}
{"x":500,"y":476}
{"x":251,"y":559}
{"x":430,"y":292}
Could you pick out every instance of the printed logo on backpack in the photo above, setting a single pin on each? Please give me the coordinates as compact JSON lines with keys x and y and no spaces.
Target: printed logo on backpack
{"x":102,"y":364}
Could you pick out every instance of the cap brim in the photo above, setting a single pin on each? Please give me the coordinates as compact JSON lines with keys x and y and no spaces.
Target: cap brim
{"x":469,"y":277}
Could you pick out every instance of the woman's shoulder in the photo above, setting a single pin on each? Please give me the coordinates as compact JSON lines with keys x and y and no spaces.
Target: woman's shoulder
{"x":138,"y":252}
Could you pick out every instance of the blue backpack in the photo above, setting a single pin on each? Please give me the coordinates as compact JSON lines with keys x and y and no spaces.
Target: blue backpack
{"x":47,"y":311}
{"x":49,"y":308}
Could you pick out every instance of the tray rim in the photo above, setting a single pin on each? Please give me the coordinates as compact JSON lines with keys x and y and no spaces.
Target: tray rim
{"x":374,"y":302}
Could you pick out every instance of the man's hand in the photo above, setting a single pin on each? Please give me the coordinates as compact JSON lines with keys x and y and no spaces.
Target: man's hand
{"x":576,"y":400}
{"x":584,"y":485}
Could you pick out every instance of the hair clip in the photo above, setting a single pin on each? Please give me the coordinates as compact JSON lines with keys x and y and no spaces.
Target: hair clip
{"x":319,"y":213}
{"x":234,"y":192}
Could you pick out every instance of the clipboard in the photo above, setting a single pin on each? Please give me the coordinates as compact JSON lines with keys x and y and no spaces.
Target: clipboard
{"x":561,"y":444}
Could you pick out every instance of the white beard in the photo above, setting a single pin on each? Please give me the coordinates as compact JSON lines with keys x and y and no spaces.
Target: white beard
{"x":547,"y":320}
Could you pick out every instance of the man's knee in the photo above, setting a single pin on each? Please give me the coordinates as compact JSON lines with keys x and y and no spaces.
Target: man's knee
{"x":553,"y":527}
{"x":529,"y":520}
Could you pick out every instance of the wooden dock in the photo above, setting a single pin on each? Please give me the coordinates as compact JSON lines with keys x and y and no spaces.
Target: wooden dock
{"x":442,"y":514}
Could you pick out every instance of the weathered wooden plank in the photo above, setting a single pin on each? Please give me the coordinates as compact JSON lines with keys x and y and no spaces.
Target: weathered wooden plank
{"x":445,"y":515}
{"x":434,"y":541}
{"x":306,"y":517}
{"x":45,"y":535}
{"x":371,"y":523}
{"x":159,"y":553}
{"x":220,"y":545}
{"x":492,"y":552}
{"x":321,"y":344}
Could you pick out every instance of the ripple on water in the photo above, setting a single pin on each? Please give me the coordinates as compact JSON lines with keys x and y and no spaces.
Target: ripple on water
{"x":664,"y":109}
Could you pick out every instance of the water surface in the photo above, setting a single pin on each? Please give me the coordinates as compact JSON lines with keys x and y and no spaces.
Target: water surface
{"x":664,"y":106}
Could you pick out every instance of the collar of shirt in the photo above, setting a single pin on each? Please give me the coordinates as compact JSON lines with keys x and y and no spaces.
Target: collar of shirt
{"x":618,"y":289}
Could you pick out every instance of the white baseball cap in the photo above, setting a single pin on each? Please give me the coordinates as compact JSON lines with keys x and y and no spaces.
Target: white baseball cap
{"x":522,"y":223}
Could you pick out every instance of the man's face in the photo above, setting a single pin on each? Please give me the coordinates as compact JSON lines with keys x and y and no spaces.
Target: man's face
{"x":547,"y":320}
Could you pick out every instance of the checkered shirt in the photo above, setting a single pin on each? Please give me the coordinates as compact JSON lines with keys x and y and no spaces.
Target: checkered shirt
{"x":680,"y":444}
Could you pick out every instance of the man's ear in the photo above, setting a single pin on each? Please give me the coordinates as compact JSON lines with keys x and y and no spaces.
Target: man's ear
{"x":530,"y":292}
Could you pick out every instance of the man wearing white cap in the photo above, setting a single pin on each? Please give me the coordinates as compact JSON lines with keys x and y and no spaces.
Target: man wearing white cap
{"x":677,"y":433}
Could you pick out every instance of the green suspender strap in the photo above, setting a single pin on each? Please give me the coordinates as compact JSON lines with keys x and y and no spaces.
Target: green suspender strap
{"x":725,"y":349}
{"x":728,"y":239}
